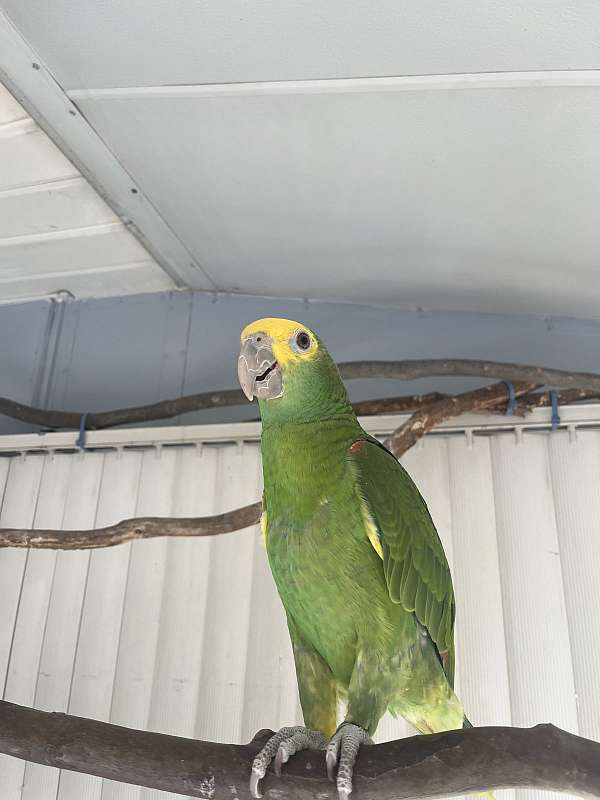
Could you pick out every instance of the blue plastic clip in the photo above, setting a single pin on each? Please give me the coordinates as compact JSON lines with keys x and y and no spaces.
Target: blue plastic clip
{"x":81,"y":438}
{"x":512,"y":400}
{"x":555,"y":414}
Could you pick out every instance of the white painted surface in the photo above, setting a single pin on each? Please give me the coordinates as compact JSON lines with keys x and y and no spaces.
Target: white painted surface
{"x":467,"y":192}
{"x":61,"y":119}
{"x":188,"y":636}
{"x":56,"y":232}
{"x":269,"y":40}
{"x":413,"y":154}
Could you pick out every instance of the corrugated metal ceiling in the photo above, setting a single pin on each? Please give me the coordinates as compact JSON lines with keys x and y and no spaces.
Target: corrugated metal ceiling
{"x":465,"y":180}
{"x":56,"y":232}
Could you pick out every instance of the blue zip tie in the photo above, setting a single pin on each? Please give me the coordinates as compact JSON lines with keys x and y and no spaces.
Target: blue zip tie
{"x":555,"y":414}
{"x":81,"y":438}
{"x":512,"y":400}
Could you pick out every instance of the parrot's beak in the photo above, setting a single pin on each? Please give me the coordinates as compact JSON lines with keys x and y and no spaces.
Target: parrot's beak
{"x":258,"y":371}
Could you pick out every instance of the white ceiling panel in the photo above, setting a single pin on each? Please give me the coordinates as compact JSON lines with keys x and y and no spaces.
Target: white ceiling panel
{"x":413,"y":194}
{"x":255,"y":149}
{"x":56,"y":232}
{"x":10,"y":110}
{"x":82,"y":249}
{"x":112,"y":43}
{"x":48,"y":207}
{"x":29,"y":157}
{"x":114,"y":281}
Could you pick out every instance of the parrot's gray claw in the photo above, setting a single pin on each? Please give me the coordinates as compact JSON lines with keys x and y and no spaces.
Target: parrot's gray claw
{"x":281,"y":758}
{"x":281,"y":746}
{"x":342,"y":750}
{"x":254,"y":781}
{"x":331,"y":761}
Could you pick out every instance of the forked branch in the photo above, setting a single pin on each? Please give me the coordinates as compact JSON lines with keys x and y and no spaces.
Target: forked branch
{"x":397,"y":370}
{"x":488,"y":398}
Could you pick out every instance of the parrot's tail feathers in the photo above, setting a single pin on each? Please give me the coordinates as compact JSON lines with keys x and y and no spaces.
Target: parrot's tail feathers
{"x":466,"y":722}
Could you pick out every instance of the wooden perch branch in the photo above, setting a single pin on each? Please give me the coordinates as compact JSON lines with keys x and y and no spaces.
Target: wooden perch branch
{"x":427,"y":418}
{"x":411,"y":370}
{"x":481,"y":400}
{"x":455,"y":762}
{"x":398,"y":370}
{"x":527,"y":402}
{"x":129,"y":529}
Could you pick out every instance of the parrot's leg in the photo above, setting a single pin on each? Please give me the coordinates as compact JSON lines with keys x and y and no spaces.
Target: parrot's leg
{"x":318,"y":698}
{"x":368,"y":696}
{"x":280,"y":747}
{"x":342,"y":750}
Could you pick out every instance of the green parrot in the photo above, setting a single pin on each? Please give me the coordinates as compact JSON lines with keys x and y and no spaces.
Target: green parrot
{"x":356,"y":559}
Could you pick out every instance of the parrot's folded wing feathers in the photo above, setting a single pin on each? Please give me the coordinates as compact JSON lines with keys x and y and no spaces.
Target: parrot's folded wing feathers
{"x":414,"y":562}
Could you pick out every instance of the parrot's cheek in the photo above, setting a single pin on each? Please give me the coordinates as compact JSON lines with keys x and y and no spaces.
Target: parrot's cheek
{"x":258,"y":371}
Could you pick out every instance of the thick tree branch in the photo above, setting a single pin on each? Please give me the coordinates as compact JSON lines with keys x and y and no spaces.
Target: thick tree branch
{"x":456,"y":762}
{"x":398,"y":370}
{"x":527,"y":402}
{"x":411,"y":370}
{"x":427,"y":418}
{"x":483,"y":400}
{"x":396,"y":405}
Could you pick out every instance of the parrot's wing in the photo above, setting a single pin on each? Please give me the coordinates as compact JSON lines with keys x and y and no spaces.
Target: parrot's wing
{"x":414,"y":562}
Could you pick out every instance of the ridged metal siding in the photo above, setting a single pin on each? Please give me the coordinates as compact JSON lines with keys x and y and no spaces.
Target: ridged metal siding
{"x":188,"y":637}
{"x":56,"y":232}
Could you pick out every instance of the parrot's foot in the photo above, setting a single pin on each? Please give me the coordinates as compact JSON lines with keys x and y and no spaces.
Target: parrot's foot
{"x":281,"y":746}
{"x":342,"y":750}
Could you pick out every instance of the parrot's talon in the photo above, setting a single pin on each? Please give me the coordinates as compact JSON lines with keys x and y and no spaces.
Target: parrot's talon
{"x":280,"y":747}
{"x":331,"y":761}
{"x":342,"y":750}
{"x":281,"y":758}
{"x":255,"y":779}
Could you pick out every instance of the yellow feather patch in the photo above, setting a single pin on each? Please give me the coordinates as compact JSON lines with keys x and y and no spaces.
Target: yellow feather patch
{"x":263,"y":527}
{"x":281,"y":332}
{"x":371,"y":529}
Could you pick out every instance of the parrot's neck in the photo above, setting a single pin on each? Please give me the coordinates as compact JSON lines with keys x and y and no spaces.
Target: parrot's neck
{"x":302,"y":462}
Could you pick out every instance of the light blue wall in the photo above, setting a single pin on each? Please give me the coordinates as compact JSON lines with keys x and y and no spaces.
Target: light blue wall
{"x":101,"y":354}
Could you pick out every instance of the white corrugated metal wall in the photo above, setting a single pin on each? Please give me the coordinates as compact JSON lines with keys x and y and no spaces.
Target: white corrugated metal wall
{"x":187,"y":636}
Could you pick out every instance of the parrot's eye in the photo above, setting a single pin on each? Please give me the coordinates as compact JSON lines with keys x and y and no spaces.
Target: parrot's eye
{"x":302,"y":340}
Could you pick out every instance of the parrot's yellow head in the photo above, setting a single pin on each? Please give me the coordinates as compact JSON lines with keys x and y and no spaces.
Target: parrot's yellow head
{"x":286,"y":365}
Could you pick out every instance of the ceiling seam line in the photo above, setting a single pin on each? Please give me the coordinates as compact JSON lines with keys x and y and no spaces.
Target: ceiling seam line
{"x":428,"y":81}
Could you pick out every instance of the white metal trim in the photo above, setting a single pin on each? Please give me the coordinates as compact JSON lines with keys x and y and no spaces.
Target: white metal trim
{"x":35,"y":88}
{"x":405,"y":83}
{"x":540,"y":419}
